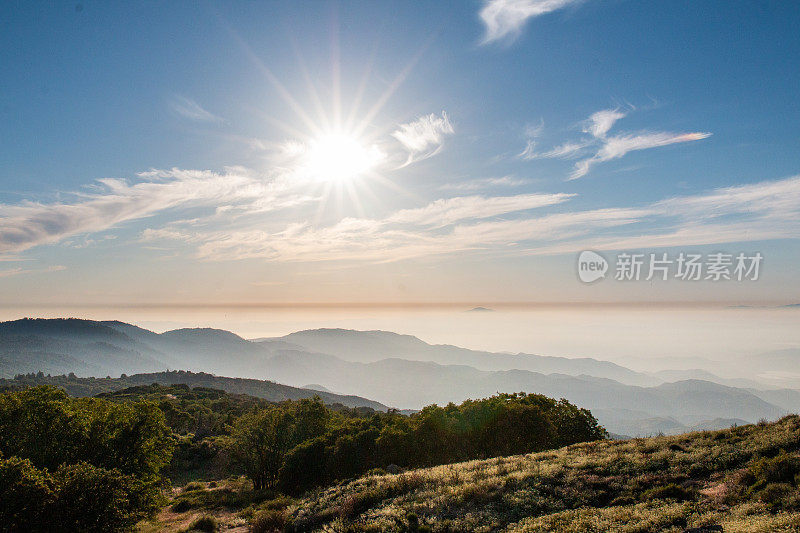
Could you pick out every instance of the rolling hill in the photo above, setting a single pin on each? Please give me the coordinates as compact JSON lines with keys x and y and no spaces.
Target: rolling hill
{"x":371,"y":346}
{"x":395,"y":370}
{"x":274,"y":392}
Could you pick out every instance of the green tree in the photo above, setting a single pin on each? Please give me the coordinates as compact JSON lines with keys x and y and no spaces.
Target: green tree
{"x":78,"y":464}
{"x":43,"y":425}
{"x":92,"y":499}
{"x":262,"y":438}
{"x":27,"y":495}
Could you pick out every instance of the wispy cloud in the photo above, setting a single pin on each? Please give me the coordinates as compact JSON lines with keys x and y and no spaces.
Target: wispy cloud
{"x":402,"y":234}
{"x":602,"y":121}
{"x":532,"y":131}
{"x":233,"y":193}
{"x":567,"y":150}
{"x":504,"y":19}
{"x":766,"y":210}
{"x":115,"y":201}
{"x":605,"y":147}
{"x":19,"y":270}
{"x":484,"y":183}
{"x":447,"y":211}
{"x":425,"y":136}
{"x":188,"y":108}
{"x":530,"y":151}
{"x":767,"y":199}
{"x":616,"y":147}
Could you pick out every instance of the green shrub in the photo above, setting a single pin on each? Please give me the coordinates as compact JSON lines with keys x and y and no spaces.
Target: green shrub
{"x":775,"y":495}
{"x":181,"y":506}
{"x":78,"y":464}
{"x":205,"y":523}
{"x":779,"y":469}
{"x":26,"y":495}
{"x":268,"y":521}
{"x":78,"y":497}
{"x":96,"y":499}
{"x":668,"y":492}
{"x":48,"y":427}
{"x":193,"y":485}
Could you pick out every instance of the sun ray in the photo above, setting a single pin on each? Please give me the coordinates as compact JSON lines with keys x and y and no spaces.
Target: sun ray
{"x":277,"y":85}
{"x":393,"y":86}
{"x":337,"y":158}
{"x":336,"y":81}
{"x":310,"y":87}
{"x":383,"y":180}
{"x":355,"y":199}
{"x":362,"y":85}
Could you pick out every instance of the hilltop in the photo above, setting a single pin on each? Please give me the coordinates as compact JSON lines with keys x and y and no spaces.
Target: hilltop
{"x":738,"y":480}
{"x":743,"y":478}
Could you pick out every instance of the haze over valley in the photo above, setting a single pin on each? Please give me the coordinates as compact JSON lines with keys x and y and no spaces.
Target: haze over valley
{"x":404,"y":372}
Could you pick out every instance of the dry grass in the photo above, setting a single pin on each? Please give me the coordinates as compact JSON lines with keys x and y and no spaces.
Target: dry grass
{"x":655,"y":484}
{"x":640,"y":485}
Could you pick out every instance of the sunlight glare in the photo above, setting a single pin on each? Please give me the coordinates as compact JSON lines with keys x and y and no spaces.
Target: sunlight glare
{"x":338,"y":157}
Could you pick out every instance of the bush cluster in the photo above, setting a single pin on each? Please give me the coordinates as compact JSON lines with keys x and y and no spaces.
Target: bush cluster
{"x":299,"y":445}
{"x":78,"y":464}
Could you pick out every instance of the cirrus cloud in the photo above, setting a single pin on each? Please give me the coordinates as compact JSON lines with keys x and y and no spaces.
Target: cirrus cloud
{"x":504,"y":19}
{"x":606,"y":147}
{"x":424,"y":137}
{"x":116,"y":201}
{"x":504,"y":225}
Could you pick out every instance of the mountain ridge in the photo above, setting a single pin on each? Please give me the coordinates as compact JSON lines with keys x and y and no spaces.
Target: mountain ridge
{"x":372,"y":367}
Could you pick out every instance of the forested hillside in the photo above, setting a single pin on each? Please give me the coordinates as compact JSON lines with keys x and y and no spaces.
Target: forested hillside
{"x":268,"y":390}
{"x":119,"y":448}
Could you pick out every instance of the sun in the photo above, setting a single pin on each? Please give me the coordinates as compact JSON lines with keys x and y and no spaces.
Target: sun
{"x":340,"y":157}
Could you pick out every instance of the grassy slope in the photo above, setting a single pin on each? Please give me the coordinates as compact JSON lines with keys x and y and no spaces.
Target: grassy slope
{"x":655,"y":484}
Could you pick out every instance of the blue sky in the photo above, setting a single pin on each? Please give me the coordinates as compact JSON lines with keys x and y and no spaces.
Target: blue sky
{"x":392,"y":151}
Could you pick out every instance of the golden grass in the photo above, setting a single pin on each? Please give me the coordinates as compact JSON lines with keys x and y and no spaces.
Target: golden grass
{"x":640,"y":485}
{"x":598,"y":486}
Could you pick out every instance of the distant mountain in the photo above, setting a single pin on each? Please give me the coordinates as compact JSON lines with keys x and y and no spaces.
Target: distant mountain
{"x":778,"y":367}
{"x":212,"y":350}
{"x":717,"y":424}
{"x":669,"y":363}
{"x":71,"y":345}
{"x":316,"y":387}
{"x":788,"y":399}
{"x":371,"y":346}
{"x":413,"y":384}
{"x":274,"y":392}
{"x":396,"y":370}
{"x":698,"y":373}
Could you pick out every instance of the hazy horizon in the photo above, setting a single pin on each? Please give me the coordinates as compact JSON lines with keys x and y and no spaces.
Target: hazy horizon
{"x":617,"y":333}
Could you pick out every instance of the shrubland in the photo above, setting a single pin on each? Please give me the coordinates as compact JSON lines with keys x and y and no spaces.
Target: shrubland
{"x":175,"y":458}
